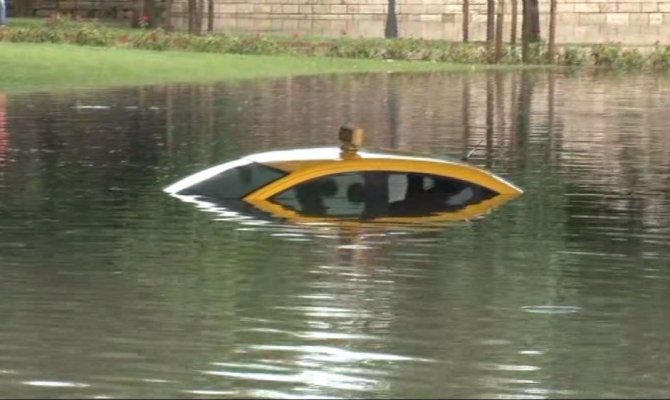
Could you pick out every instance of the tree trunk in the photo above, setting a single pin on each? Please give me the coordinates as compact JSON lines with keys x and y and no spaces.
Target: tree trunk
{"x":167,"y":24}
{"x":210,"y":16}
{"x":489,"y":120}
{"x":200,"y":16}
{"x":466,"y":21}
{"x":499,"y":30}
{"x":393,"y":110}
{"x":551,"y":52}
{"x":391,"y":29}
{"x":192,"y":14}
{"x":530,"y":27}
{"x":522,"y":130}
{"x":550,"y":114}
{"x":465,"y":115}
{"x":515,"y":12}
{"x":490,"y":27}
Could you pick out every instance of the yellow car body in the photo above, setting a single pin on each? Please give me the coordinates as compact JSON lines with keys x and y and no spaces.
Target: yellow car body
{"x":281,"y":173}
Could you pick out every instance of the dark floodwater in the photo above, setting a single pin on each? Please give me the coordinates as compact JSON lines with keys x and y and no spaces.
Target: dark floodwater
{"x":110,"y":288}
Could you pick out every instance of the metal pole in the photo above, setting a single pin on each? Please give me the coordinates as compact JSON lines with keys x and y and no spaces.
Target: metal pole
{"x":3,"y":13}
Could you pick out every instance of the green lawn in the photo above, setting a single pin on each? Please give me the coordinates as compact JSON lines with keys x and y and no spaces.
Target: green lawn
{"x":26,"y":66}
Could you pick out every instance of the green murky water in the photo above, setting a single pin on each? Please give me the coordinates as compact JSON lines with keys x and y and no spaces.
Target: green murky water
{"x":111,"y":288}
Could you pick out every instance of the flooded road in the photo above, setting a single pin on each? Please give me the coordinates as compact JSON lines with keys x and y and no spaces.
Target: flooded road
{"x":111,"y":288}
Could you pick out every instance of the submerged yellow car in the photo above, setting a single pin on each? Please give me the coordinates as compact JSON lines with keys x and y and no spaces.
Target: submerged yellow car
{"x":349,"y":183}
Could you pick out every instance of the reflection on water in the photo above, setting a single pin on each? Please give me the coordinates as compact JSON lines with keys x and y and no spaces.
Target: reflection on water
{"x":113,"y":289}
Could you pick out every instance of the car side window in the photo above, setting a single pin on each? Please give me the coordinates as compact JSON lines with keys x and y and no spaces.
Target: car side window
{"x":374,"y":194}
{"x":333,"y":195}
{"x":235,"y":183}
{"x":429,"y":194}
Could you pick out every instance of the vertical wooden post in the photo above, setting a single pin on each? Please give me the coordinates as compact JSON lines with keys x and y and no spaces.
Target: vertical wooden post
{"x":466,"y":21}
{"x":551,"y":52}
{"x":499,"y":30}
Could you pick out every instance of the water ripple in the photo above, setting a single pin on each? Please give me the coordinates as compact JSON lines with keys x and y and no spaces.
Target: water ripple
{"x":56,"y":384}
{"x":335,"y":354}
{"x":549,"y":309}
{"x":315,"y":378}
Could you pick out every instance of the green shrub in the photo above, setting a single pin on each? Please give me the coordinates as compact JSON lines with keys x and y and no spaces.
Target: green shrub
{"x":573,"y":57}
{"x":659,"y":59}
{"x":204,"y":44}
{"x":605,"y":55}
{"x":512,"y":55}
{"x":56,"y":19}
{"x":537,"y":53}
{"x":155,"y":39}
{"x":245,"y":44}
{"x":93,"y":35}
{"x":462,"y":53}
{"x":631,"y":59}
{"x":362,"y":48}
{"x":406,"y":49}
{"x":60,"y":28}
{"x":32,"y":35}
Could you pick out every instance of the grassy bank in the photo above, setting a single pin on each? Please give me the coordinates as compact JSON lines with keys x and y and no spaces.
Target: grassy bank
{"x":64,"y":53}
{"x":63,"y":29}
{"x":27,"y":66}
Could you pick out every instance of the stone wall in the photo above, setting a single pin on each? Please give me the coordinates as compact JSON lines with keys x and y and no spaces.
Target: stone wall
{"x":635,"y":22}
{"x":106,"y":9}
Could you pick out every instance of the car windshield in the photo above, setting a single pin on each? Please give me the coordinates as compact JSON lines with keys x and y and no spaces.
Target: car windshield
{"x":235,"y":183}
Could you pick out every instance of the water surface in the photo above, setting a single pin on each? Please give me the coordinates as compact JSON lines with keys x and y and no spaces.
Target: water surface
{"x":111,"y":288}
